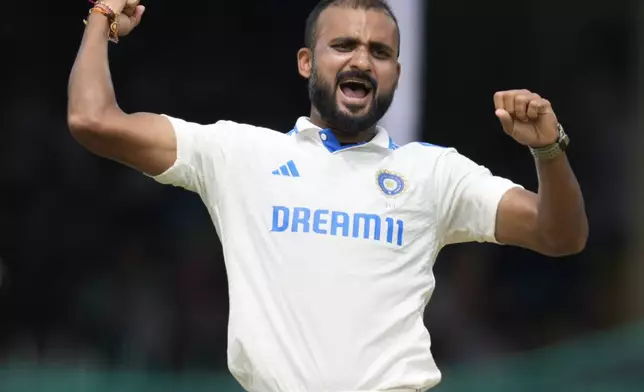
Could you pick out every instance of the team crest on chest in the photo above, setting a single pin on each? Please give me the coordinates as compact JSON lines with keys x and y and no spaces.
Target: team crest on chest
{"x":390,"y":183}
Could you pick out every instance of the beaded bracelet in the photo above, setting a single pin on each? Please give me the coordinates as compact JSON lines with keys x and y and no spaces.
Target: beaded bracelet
{"x":112,"y":17}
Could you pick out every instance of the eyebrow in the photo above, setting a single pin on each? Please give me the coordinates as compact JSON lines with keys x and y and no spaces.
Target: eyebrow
{"x":372,"y":44}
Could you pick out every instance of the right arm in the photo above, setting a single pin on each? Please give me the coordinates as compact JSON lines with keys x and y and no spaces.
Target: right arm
{"x":143,"y":141}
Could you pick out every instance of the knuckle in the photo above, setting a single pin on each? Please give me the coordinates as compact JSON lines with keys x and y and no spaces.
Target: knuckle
{"x":522,"y":98}
{"x":522,"y":107}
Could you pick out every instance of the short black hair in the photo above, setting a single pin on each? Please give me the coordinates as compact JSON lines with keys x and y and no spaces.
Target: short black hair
{"x":310,"y":33}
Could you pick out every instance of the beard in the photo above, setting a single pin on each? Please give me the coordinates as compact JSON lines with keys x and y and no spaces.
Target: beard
{"x":323,"y":97}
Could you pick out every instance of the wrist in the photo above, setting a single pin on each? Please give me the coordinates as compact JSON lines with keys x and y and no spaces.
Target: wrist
{"x":114,"y":6}
{"x":546,"y":143}
{"x":96,"y":18}
{"x":105,"y":12}
{"x":551,"y":151}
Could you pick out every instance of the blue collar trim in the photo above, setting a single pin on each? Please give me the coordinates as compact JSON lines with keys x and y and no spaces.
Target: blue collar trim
{"x":331,"y":142}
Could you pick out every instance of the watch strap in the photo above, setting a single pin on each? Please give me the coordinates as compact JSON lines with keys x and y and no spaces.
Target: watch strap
{"x":551,"y":151}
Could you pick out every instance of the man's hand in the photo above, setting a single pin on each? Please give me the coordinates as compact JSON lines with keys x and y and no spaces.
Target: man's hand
{"x":526,"y":117}
{"x":553,"y":222}
{"x":129,"y":14}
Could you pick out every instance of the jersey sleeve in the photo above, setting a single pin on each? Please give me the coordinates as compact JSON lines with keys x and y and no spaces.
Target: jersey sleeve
{"x":469,"y":199}
{"x":201,"y":153}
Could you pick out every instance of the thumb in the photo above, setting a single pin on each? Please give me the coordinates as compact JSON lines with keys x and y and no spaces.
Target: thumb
{"x":138,"y":13}
{"x":506,"y":120}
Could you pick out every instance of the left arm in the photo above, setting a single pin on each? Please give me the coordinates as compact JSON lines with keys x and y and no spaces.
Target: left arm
{"x":552,"y":222}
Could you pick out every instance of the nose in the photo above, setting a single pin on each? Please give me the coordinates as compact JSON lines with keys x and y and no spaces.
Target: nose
{"x":361,"y":60}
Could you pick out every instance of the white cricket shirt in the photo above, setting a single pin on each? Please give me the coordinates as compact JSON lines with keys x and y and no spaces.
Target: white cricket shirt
{"x":329,"y":249}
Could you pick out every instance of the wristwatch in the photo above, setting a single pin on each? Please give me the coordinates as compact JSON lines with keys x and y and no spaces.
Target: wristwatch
{"x":553,"y":150}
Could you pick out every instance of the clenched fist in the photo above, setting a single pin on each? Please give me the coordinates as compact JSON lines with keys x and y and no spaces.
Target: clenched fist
{"x":129,"y":14}
{"x":526,"y":117}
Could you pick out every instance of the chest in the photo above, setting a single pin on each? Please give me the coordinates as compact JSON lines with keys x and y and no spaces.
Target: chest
{"x":350,"y":193}
{"x":351,"y":179}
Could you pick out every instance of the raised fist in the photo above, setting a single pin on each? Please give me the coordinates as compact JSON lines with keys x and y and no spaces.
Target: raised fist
{"x":129,"y":14}
{"x":527,"y":117}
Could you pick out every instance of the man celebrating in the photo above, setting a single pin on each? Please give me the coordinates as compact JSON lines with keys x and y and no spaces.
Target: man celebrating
{"x":330,"y":231}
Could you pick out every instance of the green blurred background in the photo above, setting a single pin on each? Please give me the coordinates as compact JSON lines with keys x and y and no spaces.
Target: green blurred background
{"x":609,"y":361}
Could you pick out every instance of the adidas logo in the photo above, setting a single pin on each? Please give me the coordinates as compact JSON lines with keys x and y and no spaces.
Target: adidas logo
{"x":288,"y":170}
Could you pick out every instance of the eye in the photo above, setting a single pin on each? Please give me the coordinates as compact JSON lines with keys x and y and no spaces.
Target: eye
{"x":380,"y":53}
{"x":344,"y":46}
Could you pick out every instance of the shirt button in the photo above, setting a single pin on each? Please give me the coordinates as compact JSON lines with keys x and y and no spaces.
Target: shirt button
{"x":323,"y":137}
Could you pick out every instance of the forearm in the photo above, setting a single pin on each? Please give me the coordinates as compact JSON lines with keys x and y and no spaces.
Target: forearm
{"x":91,"y":93}
{"x":561,"y":218}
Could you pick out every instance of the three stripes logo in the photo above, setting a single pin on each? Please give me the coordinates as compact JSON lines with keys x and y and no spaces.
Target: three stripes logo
{"x":288,"y":170}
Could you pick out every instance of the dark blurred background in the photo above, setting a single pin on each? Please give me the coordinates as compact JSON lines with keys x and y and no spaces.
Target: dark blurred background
{"x":107,"y":276}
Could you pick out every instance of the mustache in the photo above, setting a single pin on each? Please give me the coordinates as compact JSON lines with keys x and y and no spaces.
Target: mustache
{"x":357,"y":75}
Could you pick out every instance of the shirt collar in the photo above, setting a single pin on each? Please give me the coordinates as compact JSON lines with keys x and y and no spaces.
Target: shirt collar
{"x":304,"y":126}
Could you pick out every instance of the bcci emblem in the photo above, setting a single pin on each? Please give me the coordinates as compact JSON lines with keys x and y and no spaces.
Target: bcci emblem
{"x":390,"y":184}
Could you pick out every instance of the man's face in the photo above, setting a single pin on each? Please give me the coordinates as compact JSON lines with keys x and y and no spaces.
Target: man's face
{"x":354,"y":68}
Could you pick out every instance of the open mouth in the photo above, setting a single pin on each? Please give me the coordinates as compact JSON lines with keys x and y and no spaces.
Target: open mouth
{"x":355,"y":89}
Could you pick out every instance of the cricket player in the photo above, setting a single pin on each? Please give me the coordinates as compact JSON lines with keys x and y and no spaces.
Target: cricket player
{"x":330,"y":231}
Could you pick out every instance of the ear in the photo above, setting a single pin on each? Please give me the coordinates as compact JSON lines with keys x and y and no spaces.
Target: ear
{"x":305,"y":62}
{"x":399,"y":71}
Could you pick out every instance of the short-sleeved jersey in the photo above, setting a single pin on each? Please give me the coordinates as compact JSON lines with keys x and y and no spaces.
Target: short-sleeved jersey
{"x":329,"y":249}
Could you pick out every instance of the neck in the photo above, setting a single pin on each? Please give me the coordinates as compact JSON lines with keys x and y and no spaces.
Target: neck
{"x":342,"y":136}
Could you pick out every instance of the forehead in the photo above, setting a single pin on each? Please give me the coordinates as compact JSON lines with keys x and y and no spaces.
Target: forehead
{"x":366,"y":25}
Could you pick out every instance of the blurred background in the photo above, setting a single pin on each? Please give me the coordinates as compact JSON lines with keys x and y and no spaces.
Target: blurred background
{"x":109,"y":281}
